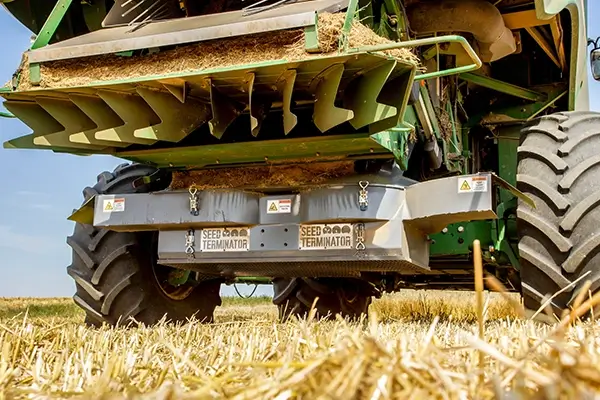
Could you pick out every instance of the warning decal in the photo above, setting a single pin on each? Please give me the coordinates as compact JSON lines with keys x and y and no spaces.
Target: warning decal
{"x":472,"y":184}
{"x":282,"y":206}
{"x":114,"y":205}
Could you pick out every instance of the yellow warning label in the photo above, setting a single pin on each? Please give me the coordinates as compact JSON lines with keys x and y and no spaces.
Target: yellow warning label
{"x":465,"y":186}
{"x":113,"y":205}
{"x":273,"y":207}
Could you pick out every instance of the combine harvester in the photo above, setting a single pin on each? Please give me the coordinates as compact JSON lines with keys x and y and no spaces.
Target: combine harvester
{"x":335,"y":149}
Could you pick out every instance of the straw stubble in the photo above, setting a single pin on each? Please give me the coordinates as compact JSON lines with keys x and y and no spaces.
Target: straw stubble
{"x":402,"y":352}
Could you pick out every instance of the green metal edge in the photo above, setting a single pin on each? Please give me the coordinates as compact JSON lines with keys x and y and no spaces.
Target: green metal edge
{"x":51,"y":24}
{"x":496,"y":180}
{"x":85,"y":213}
{"x":264,"y":151}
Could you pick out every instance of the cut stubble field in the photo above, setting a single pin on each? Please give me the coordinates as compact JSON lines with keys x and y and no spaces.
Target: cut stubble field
{"x":415,"y":345}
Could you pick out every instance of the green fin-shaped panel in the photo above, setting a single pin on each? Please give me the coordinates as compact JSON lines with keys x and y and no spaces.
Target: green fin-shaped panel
{"x":177,"y":119}
{"x":224,"y":112}
{"x":286,"y":87}
{"x":137,"y":115}
{"x":361,"y":95}
{"x":326,"y":115}
{"x":106,"y":120}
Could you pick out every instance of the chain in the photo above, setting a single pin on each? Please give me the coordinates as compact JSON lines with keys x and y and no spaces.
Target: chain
{"x":194,"y":201}
{"x":360,"y":239}
{"x":363,"y":195}
{"x":190,"y":240}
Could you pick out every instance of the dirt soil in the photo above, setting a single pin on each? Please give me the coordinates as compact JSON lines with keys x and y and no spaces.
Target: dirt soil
{"x":264,"y":176}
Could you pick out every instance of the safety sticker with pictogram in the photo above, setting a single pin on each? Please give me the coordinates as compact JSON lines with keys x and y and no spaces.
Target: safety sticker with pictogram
{"x":471,"y":184}
{"x":114,"y":205}
{"x":281,"y":206}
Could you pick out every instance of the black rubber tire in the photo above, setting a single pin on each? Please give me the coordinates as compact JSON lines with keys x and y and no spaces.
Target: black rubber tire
{"x":349,"y":298}
{"x":114,"y":272}
{"x":559,"y":240}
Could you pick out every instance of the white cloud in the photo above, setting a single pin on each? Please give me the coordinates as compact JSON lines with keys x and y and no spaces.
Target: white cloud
{"x":26,"y":242}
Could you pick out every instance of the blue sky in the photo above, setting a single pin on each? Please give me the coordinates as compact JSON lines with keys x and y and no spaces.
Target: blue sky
{"x":38,"y":190}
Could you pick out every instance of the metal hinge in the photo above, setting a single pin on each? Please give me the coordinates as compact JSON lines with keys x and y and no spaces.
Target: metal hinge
{"x":190,"y":241}
{"x":360,"y":239}
{"x":363,"y":195}
{"x":194,"y":201}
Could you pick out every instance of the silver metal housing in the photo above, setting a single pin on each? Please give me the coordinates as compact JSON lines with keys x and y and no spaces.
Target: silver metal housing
{"x":321,"y":231}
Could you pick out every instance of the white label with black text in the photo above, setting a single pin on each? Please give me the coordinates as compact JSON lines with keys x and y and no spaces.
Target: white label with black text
{"x":281,"y":206}
{"x":225,"y":239}
{"x":472,"y":184}
{"x":325,"y":237}
{"x":113,"y":205}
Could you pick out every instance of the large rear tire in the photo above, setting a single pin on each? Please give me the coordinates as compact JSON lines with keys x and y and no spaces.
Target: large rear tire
{"x":116,"y":276}
{"x":349,"y":298}
{"x":559,"y":240}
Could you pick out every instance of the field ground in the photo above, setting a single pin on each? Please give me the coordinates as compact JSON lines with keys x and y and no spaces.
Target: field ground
{"x":416,"y":345}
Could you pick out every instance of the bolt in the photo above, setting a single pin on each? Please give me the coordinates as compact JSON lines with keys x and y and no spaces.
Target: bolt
{"x":445,"y":230}
{"x":461,"y":229}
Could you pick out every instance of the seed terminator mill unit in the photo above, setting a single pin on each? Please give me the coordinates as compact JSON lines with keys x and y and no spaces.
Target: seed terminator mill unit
{"x":336,"y":149}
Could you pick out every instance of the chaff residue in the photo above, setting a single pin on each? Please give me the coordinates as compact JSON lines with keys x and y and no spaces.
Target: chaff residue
{"x":272,"y":46}
{"x":292,"y":175}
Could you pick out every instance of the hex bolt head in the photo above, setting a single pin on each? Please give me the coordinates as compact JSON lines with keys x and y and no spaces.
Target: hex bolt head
{"x":461,"y":229}
{"x":445,"y":230}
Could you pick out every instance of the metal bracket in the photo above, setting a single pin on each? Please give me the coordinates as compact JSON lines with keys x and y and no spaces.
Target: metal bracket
{"x":497,"y":181}
{"x":85,"y":213}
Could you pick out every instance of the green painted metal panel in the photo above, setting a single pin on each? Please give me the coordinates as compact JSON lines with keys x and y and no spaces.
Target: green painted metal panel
{"x":51,"y":24}
{"x":260,"y":151}
{"x":457,"y":239}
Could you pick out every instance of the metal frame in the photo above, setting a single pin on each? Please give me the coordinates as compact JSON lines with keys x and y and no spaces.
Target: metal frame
{"x":503,"y":87}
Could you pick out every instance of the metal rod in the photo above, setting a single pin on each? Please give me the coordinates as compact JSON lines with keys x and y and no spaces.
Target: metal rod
{"x":479,"y":300}
{"x":503,"y":87}
{"x":429,"y":41}
{"x":350,"y":11}
{"x":255,"y":280}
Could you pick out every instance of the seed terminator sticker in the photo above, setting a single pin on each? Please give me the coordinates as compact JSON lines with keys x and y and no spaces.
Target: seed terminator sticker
{"x":325,"y":237}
